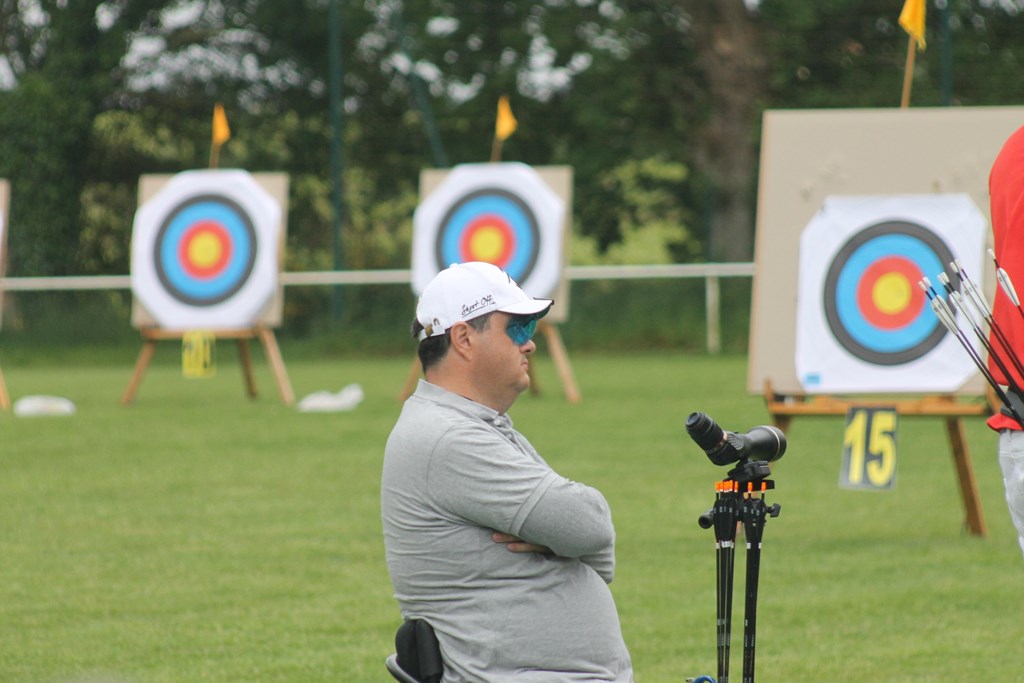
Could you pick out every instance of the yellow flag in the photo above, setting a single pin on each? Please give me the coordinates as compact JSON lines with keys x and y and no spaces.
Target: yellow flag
{"x":912,"y":20}
{"x":221,"y":132}
{"x":506,"y":123}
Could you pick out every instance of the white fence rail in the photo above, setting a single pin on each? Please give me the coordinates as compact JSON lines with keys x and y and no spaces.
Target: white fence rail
{"x":710,"y":272}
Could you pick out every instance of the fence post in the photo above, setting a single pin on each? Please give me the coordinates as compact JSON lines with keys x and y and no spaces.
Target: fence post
{"x":711,"y":313}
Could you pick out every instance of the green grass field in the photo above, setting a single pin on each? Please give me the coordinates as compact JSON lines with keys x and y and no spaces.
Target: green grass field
{"x":201,"y":536}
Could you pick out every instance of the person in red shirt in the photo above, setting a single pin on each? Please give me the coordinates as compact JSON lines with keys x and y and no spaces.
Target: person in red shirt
{"x":1006,"y":198}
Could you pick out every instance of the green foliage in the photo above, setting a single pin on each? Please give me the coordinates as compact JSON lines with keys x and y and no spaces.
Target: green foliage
{"x":621,"y":91}
{"x":127,"y":141}
{"x":105,"y":240}
{"x":851,"y":53}
{"x":646,"y":196}
{"x":377,"y":234}
{"x":42,"y":129}
{"x":46,"y":125}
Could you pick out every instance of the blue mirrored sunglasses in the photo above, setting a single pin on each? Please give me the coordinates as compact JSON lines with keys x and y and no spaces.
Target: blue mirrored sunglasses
{"x":520,"y":329}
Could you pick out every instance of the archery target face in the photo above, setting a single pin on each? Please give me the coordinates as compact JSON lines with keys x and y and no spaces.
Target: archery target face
{"x":863,"y":322}
{"x":204,"y":251}
{"x":502,"y":214}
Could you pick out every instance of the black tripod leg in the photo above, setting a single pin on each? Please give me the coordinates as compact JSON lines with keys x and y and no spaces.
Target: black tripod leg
{"x":726,"y":559}
{"x":754,"y":514}
{"x":725,"y":515}
{"x":750,"y":614}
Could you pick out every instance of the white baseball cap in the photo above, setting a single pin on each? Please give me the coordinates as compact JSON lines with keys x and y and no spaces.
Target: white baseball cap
{"x":464,"y":291}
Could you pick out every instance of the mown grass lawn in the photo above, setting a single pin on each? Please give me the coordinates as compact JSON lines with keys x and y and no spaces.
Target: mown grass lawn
{"x":198,"y":535}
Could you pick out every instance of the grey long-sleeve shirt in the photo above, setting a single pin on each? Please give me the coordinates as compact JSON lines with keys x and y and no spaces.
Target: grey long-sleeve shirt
{"x":455,"y":470}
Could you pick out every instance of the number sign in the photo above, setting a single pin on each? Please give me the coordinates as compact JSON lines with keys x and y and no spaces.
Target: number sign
{"x":869,"y":449}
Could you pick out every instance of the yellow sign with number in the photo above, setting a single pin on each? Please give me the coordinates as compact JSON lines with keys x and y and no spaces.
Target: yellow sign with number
{"x":869,"y":449}
{"x":198,"y":357}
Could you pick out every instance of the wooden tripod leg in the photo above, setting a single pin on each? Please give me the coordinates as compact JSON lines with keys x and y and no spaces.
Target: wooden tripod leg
{"x":781,"y":421}
{"x":974,"y":517}
{"x":5,"y":398}
{"x":534,"y":384}
{"x":411,"y":379}
{"x":145,"y":356}
{"x":561,"y":358}
{"x":284,"y":385}
{"x":246,"y":361}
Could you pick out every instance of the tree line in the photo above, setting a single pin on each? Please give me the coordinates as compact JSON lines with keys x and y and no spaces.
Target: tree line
{"x":655,"y":104}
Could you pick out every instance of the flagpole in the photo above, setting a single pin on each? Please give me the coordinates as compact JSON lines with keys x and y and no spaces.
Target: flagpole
{"x":496,"y":149}
{"x":908,"y":73}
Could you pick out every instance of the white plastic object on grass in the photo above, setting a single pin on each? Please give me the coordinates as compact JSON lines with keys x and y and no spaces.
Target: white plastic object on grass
{"x":36,"y":406}
{"x":327,"y":402}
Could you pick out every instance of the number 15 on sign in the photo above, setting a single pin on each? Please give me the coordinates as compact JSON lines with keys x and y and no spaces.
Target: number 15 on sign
{"x":869,"y":449}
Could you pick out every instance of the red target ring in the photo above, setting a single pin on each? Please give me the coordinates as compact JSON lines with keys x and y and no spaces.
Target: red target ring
{"x":489,"y":238}
{"x":205,"y":250}
{"x":887,"y":294}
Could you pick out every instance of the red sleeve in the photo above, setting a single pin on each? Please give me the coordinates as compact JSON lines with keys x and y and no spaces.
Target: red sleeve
{"x":1006,"y":197}
{"x":999,"y":422}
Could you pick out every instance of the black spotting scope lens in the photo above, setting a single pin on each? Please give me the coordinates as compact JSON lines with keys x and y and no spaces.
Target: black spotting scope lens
{"x":724,"y":448}
{"x":704,"y":431}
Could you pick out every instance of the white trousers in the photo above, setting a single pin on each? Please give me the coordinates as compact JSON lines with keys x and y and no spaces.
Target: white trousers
{"x":1011,"y":459}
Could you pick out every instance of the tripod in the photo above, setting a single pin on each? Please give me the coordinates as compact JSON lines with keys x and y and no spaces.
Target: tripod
{"x":739,"y":499}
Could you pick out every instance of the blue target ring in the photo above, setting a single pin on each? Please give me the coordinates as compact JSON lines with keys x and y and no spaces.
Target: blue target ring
{"x":513,"y":232}
{"x":236,"y":229}
{"x":850,"y":314}
{"x":854,"y":324}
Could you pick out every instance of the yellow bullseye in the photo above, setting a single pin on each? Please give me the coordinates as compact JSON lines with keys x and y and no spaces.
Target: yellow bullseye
{"x":487,"y":243}
{"x":891,"y":293}
{"x":205,"y":250}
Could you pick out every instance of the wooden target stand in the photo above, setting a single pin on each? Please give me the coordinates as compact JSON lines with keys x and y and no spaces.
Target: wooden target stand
{"x":783,"y":408}
{"x":553,"y":339}
{"x":5,"y":397}
{"x":261,"y":329}
{"x":152,"y":336}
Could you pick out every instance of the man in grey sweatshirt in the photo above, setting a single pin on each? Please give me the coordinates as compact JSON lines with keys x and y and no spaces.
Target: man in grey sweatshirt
{"x":506,"y":559}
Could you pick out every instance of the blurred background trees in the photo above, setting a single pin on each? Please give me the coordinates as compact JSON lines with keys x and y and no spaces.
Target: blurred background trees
{"x":656,"y":104}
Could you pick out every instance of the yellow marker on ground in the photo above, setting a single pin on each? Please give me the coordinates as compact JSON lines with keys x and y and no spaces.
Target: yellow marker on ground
{"x":198,"y":354}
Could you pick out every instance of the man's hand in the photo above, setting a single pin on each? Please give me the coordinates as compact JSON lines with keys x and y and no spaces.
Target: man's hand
{"x":518,"y":545}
